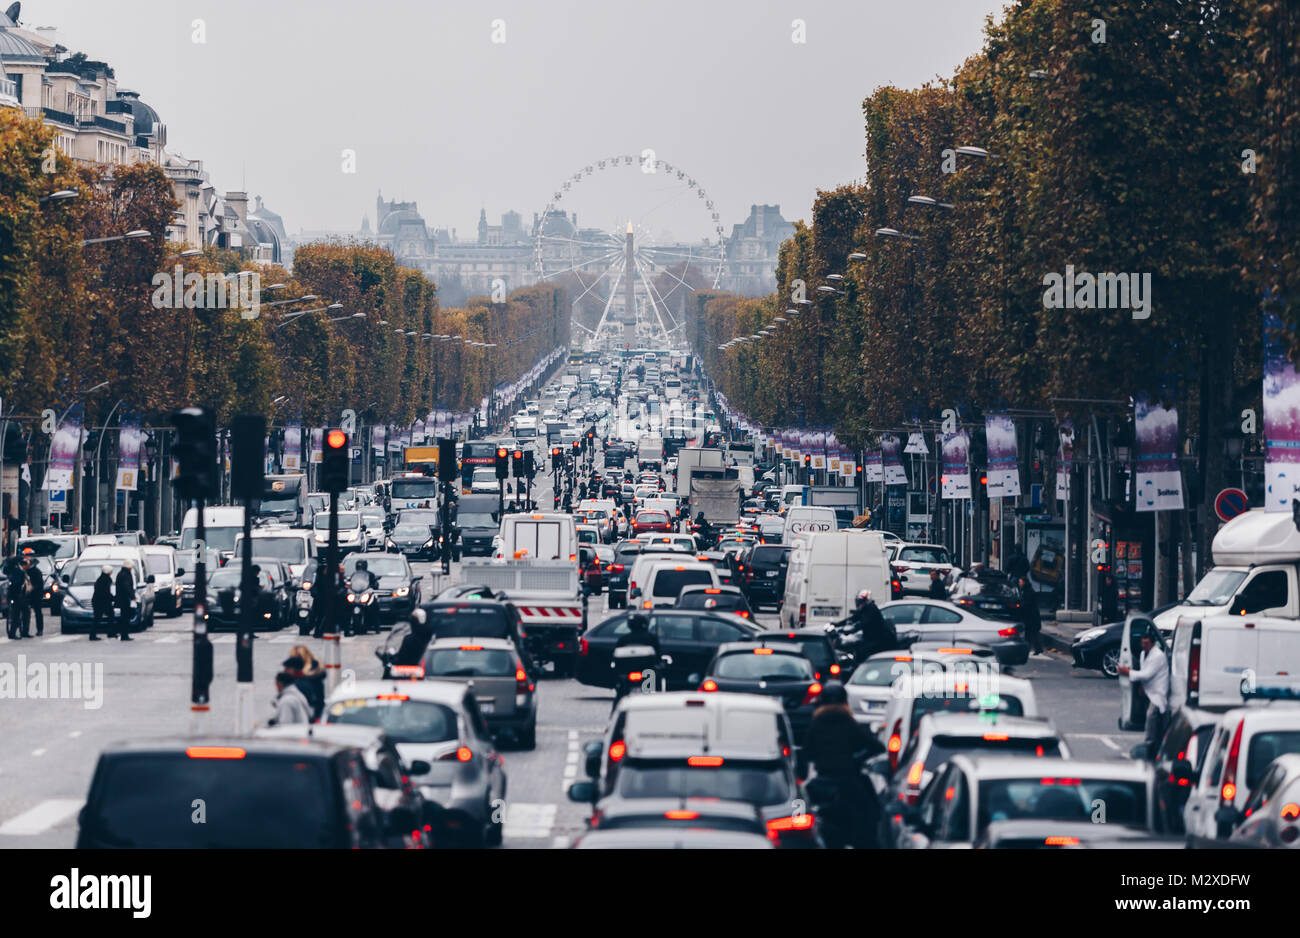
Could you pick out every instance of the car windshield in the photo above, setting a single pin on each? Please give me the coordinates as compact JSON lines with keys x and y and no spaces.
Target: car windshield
{"x":347,"y":519}
{"x":1061,"y":799}
{"x":761,"y":783}
{"x":719,"y":602}
{"x":670,"y":582}
{"x":278,"y":504}
{"x":923,"y":555}
{"x":404,"y":489}
{"x":944,"y":748}
{"x":288,"y":549}
{"x":255,"y":802}
{"x":378,"y":564}
{"x":225,"y":577}
{"x":469,"y":662}
{"x":1216,"y":588}
{"x":417,"y":531}
{"x":87,"y":573}
{"x":960,"y":703}
{"x":750,"y":666}
{"x":485,"y":475}
{"x":403,"y":720}
{"x":220,"y":539}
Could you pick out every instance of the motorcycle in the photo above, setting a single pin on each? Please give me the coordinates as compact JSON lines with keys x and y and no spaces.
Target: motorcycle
{"x":848,"y":808}
{"x":362,"y":605}
{"x":640,"y":670}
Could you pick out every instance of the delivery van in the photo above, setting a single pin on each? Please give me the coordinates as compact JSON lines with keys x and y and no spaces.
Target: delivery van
{"x":804,"y":519}
{"x":827,"y":570}
{"x":1218,"y":659}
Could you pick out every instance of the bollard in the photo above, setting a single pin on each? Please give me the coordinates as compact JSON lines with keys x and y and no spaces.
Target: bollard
{"x":333,"y":662}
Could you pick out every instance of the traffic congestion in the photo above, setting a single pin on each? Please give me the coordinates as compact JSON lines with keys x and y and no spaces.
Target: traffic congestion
{"x":619,"y":620}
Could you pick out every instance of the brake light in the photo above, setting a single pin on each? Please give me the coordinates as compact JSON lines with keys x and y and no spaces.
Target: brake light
{"x":463,"y":754}
{"x":617,"y":750}
{"x":471,"y":647}
{"x":634,"y":675}
{"x":1290,"y":811}
{"x":681,"y":815}
{"x":709,"y":686}
{"x":801,"y":822}
{"x":617,"y":567}
{"x":647,"y":604}
{"x":582,"y":647}
{"x":743,"y":614}
{"x":412,"y":671}
{"x":813,"y":690}
{"x":803,"y":614}
{"x":521,"y":675}
{"x":996,"y":737}
{"x":1061,"y":842}
{"x":895,"y":743}
{"x":215,"y":752}
{"x":1058,"y":781}
{"x":762,"y":651}
{"x":835,"y":669}
{"x":914,"y":773}
{"x":1229,"y":791}
{"x":1194,"y":671}
{"x":704,"y":762}
{"x":392,"y":697}
{"x":1009,"y":631}
{"x":955,"y":651}
{"x":712,"y":592}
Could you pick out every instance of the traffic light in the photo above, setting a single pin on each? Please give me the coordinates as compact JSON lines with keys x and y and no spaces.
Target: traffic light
{"x":196,"y":453}
{"x":247,"y":469}
{"x":503,"y":463}
{"x":557,"y":458}
{"x":447,"y":470}
{"x":530,"y":469}
{"x":336,"y":462}
{"x":807,"y":460}
{"x":518,"y":464}
{"x":577,"y":445}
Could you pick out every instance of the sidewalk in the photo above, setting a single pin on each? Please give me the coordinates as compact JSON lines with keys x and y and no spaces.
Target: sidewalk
{"x":1064,"y":626}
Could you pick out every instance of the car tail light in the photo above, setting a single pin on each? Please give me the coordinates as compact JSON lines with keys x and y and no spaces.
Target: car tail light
{"x":895,"y":744}
{"x":1194,"y":672}
{"x":412,"y":671}
{"x":634,"y":675}
{"x":392,"y":697}
{"x":811,"y":694}
{"x":996,"y":737}
{"x":763,"y":651}
{"x":1290,"y":811}
{"x":681,"y":815}
{"x":803,"y":614}
{"x":215,"y":752}
{"x":914,"y":773}
{"x":583,"y":647}
{"x":1228,"y":793}
{"x":617,"y":567}
{"x":617,"y":750}
{"x":704,"y":762}
{"x":835,"y":669}
{"x":709,"y":686}
{"x":647,"y":604}
{"x":1061,"y":842}
{"x":901,"y":568}
{"x":460,"y":754}
{"x":801,"y":822}
{"x":1009,"y":631}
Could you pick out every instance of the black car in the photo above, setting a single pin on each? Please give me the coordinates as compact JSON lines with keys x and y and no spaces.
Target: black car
{"x":1098,"y":649}
{"x":724,"y":563}
{"x":816,"y":645}
{"x":399,"y":585}
{"x":777,"y":669}
{"x":256,"y":794}
{"x":413,"y":539}
{"x":991,"y":595}
{"x":690,"y":637}
{"x":225,"y":600}
{"x":763,"y":578}
{"x":460,"y":618}
{"x":1186,"y":741}
{"x":625,"y":553}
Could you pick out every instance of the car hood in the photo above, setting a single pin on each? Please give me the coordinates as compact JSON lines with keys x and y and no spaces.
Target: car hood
{"x":393,"y":582}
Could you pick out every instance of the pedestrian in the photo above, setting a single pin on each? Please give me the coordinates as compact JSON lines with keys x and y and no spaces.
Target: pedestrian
{"x":1108,"y":594}
{"x":1153,"y":675}
{"x":937,"y":588}
{"x":290,"y":706}
{"x":1033,"y":622}
{"x":101,"y":604}
{"x":37,"y":593}
{"x":309,"y":677}
{"x":1017,"y":562}
{"x":123,"y":594}
{"x":17,"y":589}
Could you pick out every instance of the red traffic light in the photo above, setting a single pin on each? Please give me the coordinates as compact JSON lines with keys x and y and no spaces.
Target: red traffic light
{"x":984,"y":480}
{"x":336,"y":439}
{"x":555,"y":451}
{"x":519,"y":454}
{"x":577,"y":444}
{"x":502,"y":452}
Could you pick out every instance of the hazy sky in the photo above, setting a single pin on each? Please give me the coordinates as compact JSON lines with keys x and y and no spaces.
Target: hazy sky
{"x":439,"y":113}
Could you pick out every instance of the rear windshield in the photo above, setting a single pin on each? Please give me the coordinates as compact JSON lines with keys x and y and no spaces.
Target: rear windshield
{"x":478,"y":621}
{"x":945,"y":747}
{"x":1264,"y":748}
{"x":258,"y":802}
{"x":749,"y":666}
{"x":670,"y":582}
{"x":721,"y":602}
{"x":1004,"y":703}
{"x":288,"y":549}
{"x":924,"y":554}
{"x":652,"y":517}
{"x":1061,"y":799}
{"x":756,"y":783}
{"x":158,"y":563}
{"x":403,"y":721}
{"x":464,"y":662}
{"x":880,"y":672}
{"x":768,"y":555}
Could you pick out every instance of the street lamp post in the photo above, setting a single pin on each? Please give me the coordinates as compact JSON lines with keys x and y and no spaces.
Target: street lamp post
{"x":99,"y":447}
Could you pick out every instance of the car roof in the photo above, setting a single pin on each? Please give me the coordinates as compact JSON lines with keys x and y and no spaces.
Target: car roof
{"x":1270,"y":715}
{"x":975,"y":724}
{"x":432,"y":690}
{"x":666,"y":838}
{"x":992,"y":766}
{"x":173,"y":745}
{"x":614,"y":806}
{"x":345,"y":734}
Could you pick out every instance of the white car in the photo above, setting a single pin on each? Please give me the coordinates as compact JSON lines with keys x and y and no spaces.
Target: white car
{"x":351,"y":537}
{"x":484,"y":481}
{"x":912,"y":564}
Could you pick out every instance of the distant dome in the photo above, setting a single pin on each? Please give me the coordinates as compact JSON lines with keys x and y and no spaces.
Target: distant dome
{"x":146,"y":118}
{"x":14,"y":48}
{"x":558,"y":225}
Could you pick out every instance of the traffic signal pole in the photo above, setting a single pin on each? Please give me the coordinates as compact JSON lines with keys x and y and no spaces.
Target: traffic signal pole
{"x":331,"y":636}
{"x":248,"y":604}
{"x":195,"y":452}
{"x":201,"y":669}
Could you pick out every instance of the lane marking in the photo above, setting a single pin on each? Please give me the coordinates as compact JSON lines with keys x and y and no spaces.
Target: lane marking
{"x":41,"y":818}
{"x":529,"y":821}
{"x":39,"y":752}
{"x":167,"y":639}
{"x":74,"y":734}
{"x":1104,"y":738}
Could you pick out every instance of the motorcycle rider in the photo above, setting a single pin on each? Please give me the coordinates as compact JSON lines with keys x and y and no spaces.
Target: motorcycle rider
{"x":875,"y":633}
{"x":837,"y":745}
{"x":704,"y":530}
{"x":370,"y":614}
{"x":638,"y":633}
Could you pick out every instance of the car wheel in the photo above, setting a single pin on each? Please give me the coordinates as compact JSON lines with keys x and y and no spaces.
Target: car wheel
{"x":1110,"y":662}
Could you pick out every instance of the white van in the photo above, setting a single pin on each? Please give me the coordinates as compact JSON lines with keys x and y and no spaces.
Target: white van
{"x":801,"y":520}
{"x":664,"y":581}
{"x":1218,"y":659}
{"x":827,"y":571}
{"x":539,"y":536}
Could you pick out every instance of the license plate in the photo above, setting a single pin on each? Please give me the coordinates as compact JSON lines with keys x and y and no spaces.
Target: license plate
{"x":988,"y":605}
{"x":486,"y":706}
{"x":770,"y":573}
{"x":826,"y":610}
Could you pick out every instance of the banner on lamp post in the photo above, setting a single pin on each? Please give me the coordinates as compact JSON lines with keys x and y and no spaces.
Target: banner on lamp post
{"x":129,"y":436}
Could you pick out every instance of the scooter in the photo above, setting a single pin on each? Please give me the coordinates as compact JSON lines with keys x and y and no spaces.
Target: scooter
{"x":361,"y":605}
{"x":640,"y":670}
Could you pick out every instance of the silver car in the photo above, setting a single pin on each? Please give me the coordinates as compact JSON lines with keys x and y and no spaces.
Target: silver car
{"x":916,"y":619}
{"x":1272,"y":815}
{"x":871,"y":687}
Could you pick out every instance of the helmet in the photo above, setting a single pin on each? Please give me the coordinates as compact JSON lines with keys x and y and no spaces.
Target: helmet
{"x":638,"y":622}
{"x":864,"y":598}
{"x":363,"y":565}
{"x":833,"y":692}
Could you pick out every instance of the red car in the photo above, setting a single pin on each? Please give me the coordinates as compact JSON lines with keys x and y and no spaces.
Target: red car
{"x":651,"y":522}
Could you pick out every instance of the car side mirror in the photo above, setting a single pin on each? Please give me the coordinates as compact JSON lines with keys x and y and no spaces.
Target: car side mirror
{"x":694,"y":678}
{"x":67,"y":578}
{"x":420,"y":767}
{"x":180,"y":571}
{"x":1238,"y":607}
{"x":582,"y":792}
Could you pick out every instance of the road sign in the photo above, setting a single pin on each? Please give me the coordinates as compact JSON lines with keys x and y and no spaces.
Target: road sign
{"x":1229,"y":503}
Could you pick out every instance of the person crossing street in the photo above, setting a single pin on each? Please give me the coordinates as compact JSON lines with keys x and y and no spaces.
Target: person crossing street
{"x":123,"y":594}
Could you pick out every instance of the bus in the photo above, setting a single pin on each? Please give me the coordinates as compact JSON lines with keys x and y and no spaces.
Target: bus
{"x":475,"y":454}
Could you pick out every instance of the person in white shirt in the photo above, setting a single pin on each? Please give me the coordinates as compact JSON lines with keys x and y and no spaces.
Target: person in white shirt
{"x":1153,"y":675}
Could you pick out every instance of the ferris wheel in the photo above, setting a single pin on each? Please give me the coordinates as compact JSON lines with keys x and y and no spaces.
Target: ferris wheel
{"x":628,"y":274}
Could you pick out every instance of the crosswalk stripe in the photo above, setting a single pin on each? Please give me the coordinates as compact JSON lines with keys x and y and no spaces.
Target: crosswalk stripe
{"x":61,"y":639}
{"x":283,"y":640}
{"x":41,"y":818}
{"x":530,"y":821}
{"x":224,"y":640}
{"x":167,"y":639}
